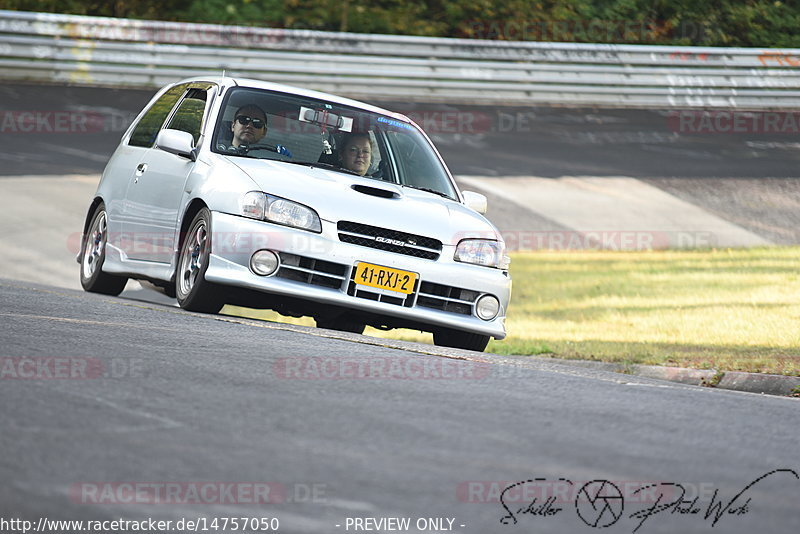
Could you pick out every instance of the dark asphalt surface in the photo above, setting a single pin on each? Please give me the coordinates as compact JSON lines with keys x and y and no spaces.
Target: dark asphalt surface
{"x":197,"y":399}
{"x":750,"y":179}
{"x":479,"y":140}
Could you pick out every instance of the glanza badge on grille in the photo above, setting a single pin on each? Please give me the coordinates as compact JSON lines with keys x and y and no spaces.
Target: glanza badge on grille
{"x":391,"y":241}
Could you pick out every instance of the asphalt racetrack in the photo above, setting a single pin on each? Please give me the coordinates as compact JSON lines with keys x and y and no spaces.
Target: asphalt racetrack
{"x":131,"y":409}
{"x":145,"y":394}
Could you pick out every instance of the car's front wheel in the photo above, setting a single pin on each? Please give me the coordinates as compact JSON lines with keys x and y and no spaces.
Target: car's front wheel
{"x":93,"y":279}
{"x":460,"y":340}
{"x":192,"y":290}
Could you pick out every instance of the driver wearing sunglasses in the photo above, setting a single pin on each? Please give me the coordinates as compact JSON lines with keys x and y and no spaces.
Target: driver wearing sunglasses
{"x":249,"y":125}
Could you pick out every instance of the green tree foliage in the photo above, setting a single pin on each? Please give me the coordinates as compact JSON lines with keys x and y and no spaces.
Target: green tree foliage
{"x":138,"y":9}
{"x":754,"y":23}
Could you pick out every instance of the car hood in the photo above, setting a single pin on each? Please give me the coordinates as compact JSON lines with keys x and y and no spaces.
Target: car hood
{"x":342,"y":197}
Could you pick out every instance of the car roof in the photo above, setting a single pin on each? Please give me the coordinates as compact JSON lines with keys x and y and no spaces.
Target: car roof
{"x":310,"y":93}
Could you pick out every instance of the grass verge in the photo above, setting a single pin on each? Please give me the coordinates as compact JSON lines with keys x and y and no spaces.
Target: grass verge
{"x":730,"y":310}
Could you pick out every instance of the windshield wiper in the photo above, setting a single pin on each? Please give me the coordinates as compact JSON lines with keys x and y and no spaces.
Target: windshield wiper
{"x":333,"y":167}
{"x":313,"y":164}
{"x":429,"y":190}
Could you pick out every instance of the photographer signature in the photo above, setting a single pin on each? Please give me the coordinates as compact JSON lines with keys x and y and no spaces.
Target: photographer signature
{"x":600,"y":503}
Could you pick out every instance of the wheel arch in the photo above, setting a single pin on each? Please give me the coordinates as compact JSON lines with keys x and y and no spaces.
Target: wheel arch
{"x":96,"y":201}
{"x":191,"y":210}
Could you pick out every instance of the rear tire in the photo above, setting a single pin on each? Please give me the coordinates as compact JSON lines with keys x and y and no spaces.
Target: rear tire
{"x":192,"y":290}
{"x":460,"y":340}
{"x":93,"y":279}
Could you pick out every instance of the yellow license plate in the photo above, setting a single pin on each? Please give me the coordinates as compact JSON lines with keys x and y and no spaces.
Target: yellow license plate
{"x":381,"y":277}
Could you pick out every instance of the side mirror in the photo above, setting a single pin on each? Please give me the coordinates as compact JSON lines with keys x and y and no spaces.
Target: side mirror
{"x":475,"y":201}
{"x":176,"y":142}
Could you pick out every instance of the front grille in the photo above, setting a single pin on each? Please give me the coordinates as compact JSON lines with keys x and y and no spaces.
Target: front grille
{"x":361,"y":293}
{"x":311,"y":271}
{"x":379,"y":238}
{"x":379,"y":295}
{"x":333,"y":276}
{"x":447,"y":298}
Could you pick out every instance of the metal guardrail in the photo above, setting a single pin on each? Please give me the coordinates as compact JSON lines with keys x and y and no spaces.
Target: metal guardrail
{"x":123,"y":52}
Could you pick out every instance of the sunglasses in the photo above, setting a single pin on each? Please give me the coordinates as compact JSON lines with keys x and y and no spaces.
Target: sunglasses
{"x":244,"y":120}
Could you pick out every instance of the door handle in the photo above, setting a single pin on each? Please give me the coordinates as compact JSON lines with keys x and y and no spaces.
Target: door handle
{"x":140,"y":169}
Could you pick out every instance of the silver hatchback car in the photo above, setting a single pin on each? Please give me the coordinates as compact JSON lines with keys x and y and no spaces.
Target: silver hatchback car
{"x":267,"y":196}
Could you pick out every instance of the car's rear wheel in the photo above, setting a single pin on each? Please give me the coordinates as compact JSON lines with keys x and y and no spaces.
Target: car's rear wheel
{"x":460,"y":340}
{"x":193,"y":291}
{"x":343,"y":323}
{"x":93,"y":279}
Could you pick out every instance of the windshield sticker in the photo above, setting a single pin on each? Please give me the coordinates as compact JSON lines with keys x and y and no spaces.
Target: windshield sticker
{"x":395,"y":123}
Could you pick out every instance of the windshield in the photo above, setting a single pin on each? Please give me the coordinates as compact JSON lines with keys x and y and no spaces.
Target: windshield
{"x":267,"y":125}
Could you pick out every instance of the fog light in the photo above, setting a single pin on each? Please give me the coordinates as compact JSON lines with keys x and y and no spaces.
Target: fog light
{"x":264,"y":262}
{"x":487,"y":307}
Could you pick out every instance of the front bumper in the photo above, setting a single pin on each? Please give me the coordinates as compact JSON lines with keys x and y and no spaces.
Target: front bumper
{"x":318,"y":268}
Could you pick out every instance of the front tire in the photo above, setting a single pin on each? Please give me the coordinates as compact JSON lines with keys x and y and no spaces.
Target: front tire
{"x":192,"y":290}
{"x":460,"y":340}
{"x":93,"y":279}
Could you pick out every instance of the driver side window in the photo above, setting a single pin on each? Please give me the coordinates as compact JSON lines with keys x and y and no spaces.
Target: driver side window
{"x":189,"y":115}
{"x":145,"y":132}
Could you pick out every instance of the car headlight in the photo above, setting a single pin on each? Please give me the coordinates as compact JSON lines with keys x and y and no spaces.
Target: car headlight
{"x":290,"y":213}
{"x":258,"y":205}
{"x":482,"y":252}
